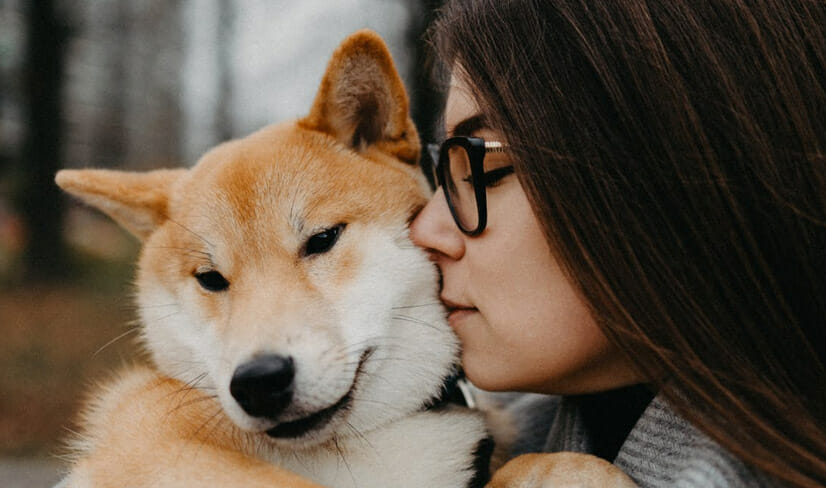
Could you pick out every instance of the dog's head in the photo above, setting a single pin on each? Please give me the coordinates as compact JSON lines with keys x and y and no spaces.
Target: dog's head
{"x":278,"y":272}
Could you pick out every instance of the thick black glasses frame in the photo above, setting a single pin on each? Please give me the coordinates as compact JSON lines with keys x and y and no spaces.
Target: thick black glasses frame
{"x":475,"y":147}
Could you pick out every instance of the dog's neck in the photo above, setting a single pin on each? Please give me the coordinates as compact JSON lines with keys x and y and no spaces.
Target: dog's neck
{"x":456,"y":390}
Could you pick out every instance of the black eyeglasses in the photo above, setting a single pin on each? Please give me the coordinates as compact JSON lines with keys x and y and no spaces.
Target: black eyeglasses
{"x":459,"y":170}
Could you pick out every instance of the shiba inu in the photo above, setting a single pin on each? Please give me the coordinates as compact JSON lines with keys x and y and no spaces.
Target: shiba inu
{"x":292,"y":325}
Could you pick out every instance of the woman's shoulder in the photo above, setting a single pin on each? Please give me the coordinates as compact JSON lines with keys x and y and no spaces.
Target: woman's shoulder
{"x":663,"y":449}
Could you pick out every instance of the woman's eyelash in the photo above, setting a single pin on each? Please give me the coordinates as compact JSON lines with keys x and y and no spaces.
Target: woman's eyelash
{"x":493,"y":177}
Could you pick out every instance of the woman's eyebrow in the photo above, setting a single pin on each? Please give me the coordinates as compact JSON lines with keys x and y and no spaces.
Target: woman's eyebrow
{"x":468,"y":126}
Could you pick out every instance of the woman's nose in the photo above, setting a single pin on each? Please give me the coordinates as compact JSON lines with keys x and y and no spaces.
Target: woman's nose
{"x":435,"y":230}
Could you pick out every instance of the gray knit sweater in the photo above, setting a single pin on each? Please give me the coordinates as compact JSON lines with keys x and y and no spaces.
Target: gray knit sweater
{"x":662,"y":449}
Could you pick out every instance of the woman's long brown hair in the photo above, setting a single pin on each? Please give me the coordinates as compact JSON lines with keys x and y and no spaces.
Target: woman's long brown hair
{"x":675,"y":153}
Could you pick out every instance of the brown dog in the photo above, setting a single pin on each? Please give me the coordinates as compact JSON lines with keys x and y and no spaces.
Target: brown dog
{"x":291,"y":322}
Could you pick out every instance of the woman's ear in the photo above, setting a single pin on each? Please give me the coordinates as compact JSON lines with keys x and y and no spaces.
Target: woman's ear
{"x":362,"y":101}
{"x":136,"y":201}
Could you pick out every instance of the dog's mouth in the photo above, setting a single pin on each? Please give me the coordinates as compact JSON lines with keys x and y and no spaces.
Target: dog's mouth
{"x":318,"y":420}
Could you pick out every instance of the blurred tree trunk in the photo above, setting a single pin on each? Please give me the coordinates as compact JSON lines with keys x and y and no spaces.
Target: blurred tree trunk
{"x":427,"y":99}
{"x":225,"y":33}
{"x":109,"y":140}
{"x":39,"y":198}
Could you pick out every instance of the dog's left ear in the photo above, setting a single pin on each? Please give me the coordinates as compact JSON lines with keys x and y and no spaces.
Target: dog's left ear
{"x":137,"y":201}
{"x":362,"y":101}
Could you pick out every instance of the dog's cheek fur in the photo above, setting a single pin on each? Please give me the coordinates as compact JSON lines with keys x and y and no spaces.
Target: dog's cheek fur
{"x":175,"y":319}
{"x":392,"y":305}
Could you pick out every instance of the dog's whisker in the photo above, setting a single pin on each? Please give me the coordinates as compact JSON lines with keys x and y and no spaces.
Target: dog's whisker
{"x":350,"y":354}
{"x":293,"y":217}
{"x":174,"y":248}
{"x":184,"y":390}
{"x":162,"y":318}
{"x":187,"y":361}
{"x":193,"y":383}
{"x":131,"y":330}
{"x":216,"y":424}
{"x":405,"y":307}
{"x":413,"y":320}
{"x":202,"y":238}
{"x":299,"y":459}
{"x":193,"y":401}
{"x":209,"y":420}
{"x":149,"y":307}
{"x":358,"y":434}
{"x":214,"y":419}
{"x":358,"y":347}
{"x":73,"y":432}
{"x":391,"y":359}
{"x":373,"y":401}
{"x":344,"y":459}
{"x":185,"y":252}
{"x":65,"y":458}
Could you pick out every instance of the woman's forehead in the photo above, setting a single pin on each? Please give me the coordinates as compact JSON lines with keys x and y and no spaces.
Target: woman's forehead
{"x":460,"y":104}
{"x":463,"y":116}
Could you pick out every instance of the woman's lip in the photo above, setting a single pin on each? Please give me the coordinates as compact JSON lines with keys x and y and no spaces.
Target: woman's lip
{"x":455,"y":316}
{"x":457,"y":312}
{"x":459,"y":309}
{"x":451,"y":311}
{"x":451,"y":305}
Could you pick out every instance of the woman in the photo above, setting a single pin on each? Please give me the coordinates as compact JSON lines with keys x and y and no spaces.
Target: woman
{"x":646,"y":218}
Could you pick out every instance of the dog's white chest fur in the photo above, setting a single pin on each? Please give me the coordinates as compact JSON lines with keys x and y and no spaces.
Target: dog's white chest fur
{"x":428,"y":449}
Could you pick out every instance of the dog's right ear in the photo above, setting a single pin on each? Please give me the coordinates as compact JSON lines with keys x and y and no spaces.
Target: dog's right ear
{"x":362,"y":101}
{"x":137,"y":201}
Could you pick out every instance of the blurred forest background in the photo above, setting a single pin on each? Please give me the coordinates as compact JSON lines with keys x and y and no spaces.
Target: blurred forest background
{"x":137,"y":85}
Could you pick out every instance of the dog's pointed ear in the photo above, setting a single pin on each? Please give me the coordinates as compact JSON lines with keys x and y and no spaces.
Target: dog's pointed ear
{"x":136,"y":201}
{"x":362,"y":101}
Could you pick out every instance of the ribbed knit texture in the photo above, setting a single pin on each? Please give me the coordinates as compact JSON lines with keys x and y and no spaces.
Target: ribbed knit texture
{"x":662,"y":449}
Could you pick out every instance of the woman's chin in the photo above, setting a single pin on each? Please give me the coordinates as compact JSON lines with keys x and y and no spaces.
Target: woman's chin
{"x":484,"y":375}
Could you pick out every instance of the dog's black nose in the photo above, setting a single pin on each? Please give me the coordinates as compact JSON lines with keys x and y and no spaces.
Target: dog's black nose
{"x":263,"y":386}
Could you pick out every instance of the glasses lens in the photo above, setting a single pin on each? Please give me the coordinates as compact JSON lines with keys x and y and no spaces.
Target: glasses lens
{"x":459,"y":187}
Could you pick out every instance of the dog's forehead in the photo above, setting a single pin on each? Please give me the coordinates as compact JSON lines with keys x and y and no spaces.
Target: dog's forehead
{"x":286,"y":176}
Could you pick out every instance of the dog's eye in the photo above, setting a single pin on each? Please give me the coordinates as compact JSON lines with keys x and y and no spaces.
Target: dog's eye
{"x":212,"y":281}
{"x":323,"y":241}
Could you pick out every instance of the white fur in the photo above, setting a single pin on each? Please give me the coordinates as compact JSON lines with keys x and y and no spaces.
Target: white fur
{"x":386,"y":457}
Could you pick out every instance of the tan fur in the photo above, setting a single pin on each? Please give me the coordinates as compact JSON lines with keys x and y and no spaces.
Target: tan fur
{"x":560,"y":470}
{"x":391,"y":128}
{"x":183,"y":446}
{"x":139,"y":207}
